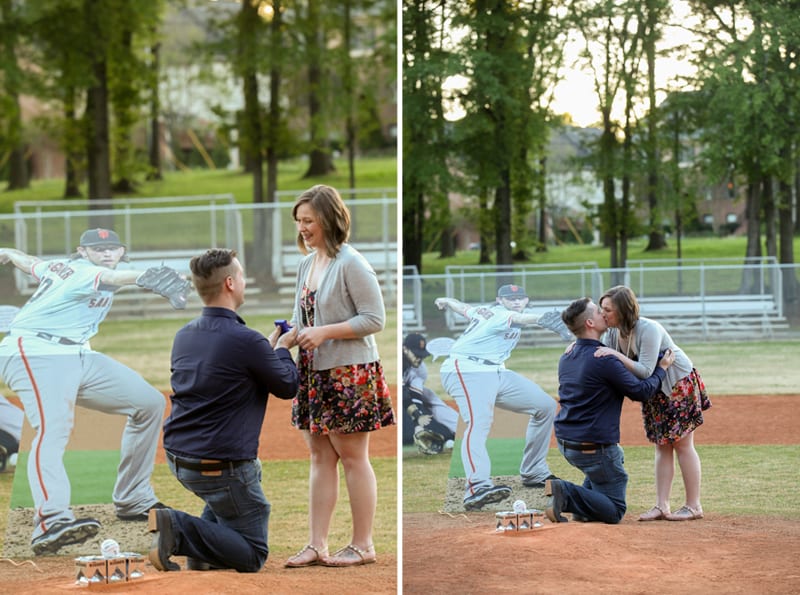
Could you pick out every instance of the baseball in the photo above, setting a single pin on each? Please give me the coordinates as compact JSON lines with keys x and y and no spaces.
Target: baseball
{"x":109,"y":548}
{"x":520,"y":506}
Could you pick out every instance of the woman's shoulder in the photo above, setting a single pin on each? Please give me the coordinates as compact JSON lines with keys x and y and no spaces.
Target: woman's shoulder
{"x":652,"y":328}
{"x":348,"y":256}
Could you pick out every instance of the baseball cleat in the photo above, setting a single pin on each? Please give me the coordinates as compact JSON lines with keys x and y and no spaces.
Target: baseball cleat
{"x":142,"y":516}
{"x":539,"y":484}
{"x":63,"y":534}
{"x":486,"y":496}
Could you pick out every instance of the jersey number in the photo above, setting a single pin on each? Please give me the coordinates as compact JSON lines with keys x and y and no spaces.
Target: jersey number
{"x":43,"y":286}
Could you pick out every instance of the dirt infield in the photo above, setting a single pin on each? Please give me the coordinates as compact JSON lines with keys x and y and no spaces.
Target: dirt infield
{"x":279,"y":440}
{"x":719,"y":554}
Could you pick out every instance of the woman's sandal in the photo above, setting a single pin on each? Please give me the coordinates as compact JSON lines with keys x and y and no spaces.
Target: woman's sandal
{"x":297,"y":560}
{"x":686,"y":513}
{"x":345,"y":557}
{"x":654,"y":514}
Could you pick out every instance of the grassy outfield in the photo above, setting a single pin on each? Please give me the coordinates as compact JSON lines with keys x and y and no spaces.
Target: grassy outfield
{"x":379,"y":172}
{"x":733,"y":476}
{"x":145,"y":346}
{"x":707,"y":248}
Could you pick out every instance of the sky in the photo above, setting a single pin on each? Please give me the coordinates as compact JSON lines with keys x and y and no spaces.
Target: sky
{"x":575,"y":94}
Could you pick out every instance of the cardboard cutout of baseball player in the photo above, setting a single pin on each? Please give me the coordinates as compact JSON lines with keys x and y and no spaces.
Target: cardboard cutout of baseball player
{"x":46,"y":359}
{"x":11,"y":418}
{"x":427,"y":420}
{"x":475,"y":376}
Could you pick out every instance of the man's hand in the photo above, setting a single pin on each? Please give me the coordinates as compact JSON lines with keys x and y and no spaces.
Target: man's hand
{"x":286,"y":340}
{"x":667,"y":359}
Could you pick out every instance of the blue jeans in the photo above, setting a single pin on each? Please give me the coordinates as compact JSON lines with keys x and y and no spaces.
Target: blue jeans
{"x":232,"y":530}
{"x":602,"y":495}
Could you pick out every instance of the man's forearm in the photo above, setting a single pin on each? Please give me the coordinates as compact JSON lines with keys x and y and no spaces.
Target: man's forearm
{"x":19,"y":259}
{"x":524,"y":319}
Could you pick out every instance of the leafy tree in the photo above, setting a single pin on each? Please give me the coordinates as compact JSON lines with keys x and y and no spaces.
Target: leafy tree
{"x":749,"y":74}
{"x":510,"y":57}
{"x":314,"y":33}
{"x":12,"y":143}
{"x":426,"y":177}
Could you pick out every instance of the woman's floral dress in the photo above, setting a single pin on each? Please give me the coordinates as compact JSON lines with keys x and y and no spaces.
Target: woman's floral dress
{"x":669,"y":417}
{"x":344,"y":399}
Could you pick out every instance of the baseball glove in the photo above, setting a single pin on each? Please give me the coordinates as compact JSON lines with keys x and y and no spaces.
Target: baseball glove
{"x":552,"y":321}
{"x":428,"y":442}
{"x":166,"y":282}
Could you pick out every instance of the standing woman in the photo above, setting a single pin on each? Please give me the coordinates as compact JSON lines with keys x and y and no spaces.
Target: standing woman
{"x":343,"y":394}
{"x":671,"y":417}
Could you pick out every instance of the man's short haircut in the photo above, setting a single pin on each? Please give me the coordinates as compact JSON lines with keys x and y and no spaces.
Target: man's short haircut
{"x":575,"y":315}
{"x":332,"y":215}
{"x":210,"y":269}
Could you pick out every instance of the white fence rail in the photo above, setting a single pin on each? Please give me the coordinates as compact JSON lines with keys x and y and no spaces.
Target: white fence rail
{"x":173,"y":229}
{"x":698,"y":300}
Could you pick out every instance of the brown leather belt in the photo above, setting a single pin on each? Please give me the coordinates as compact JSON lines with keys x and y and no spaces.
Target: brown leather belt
{"x":205,"y":464}
{"x":582,"y":445}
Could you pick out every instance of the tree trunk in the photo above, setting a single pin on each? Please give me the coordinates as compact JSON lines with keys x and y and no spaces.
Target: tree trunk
{"x":253,"y":137}
{"x":502,"y":209}
{"x":97,"y":142}
{"x":72,"y":174}
{"x":11,"y":76}
{"x":541,"y":190}
{"x":791,"y":293}
{"x":268,"y":278}
{"x":155,"y":109}
{"x":768,"y":204}
{"x":656,"y":239}
{"x":447,"y":245}
{"x":413,"y":225}
{"x":121,"y":94}
{"x":753,"y":250}
{"x":349,"y":96}
{"x":320,"y":160}
{"x":797,"y":196}
{"x":18,"y":177}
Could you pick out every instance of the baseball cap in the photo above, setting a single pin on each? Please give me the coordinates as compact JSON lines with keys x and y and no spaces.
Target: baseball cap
{"x":100,"y":237}
{"x":509,"y":291}
{"x":416,"y":344}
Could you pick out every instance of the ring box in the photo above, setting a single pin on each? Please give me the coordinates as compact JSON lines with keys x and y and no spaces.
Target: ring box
{"x":510,"y":522}
{"x":91,"y":570}
{"x":97,"y":570}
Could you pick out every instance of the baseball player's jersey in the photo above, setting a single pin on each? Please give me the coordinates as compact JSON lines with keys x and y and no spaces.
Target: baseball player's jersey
{"x":415,"y":378}
{"x":68,"y":303}
{"x":490,"y":336}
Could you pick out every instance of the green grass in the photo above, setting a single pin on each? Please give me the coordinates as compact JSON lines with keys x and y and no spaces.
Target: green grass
{"x":370,"y":173}
{"x":734,"y":477}
{"x":707,"y":248}
{"x":92,"y":472}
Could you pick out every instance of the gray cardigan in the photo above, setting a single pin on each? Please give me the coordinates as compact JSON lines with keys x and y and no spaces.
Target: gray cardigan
{"x":649,"y":339}
{"x":348,"y":290}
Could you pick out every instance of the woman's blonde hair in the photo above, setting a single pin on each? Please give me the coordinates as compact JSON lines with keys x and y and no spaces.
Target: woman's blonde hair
{"x":332,"y":215}
{"x":625,"y":304}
